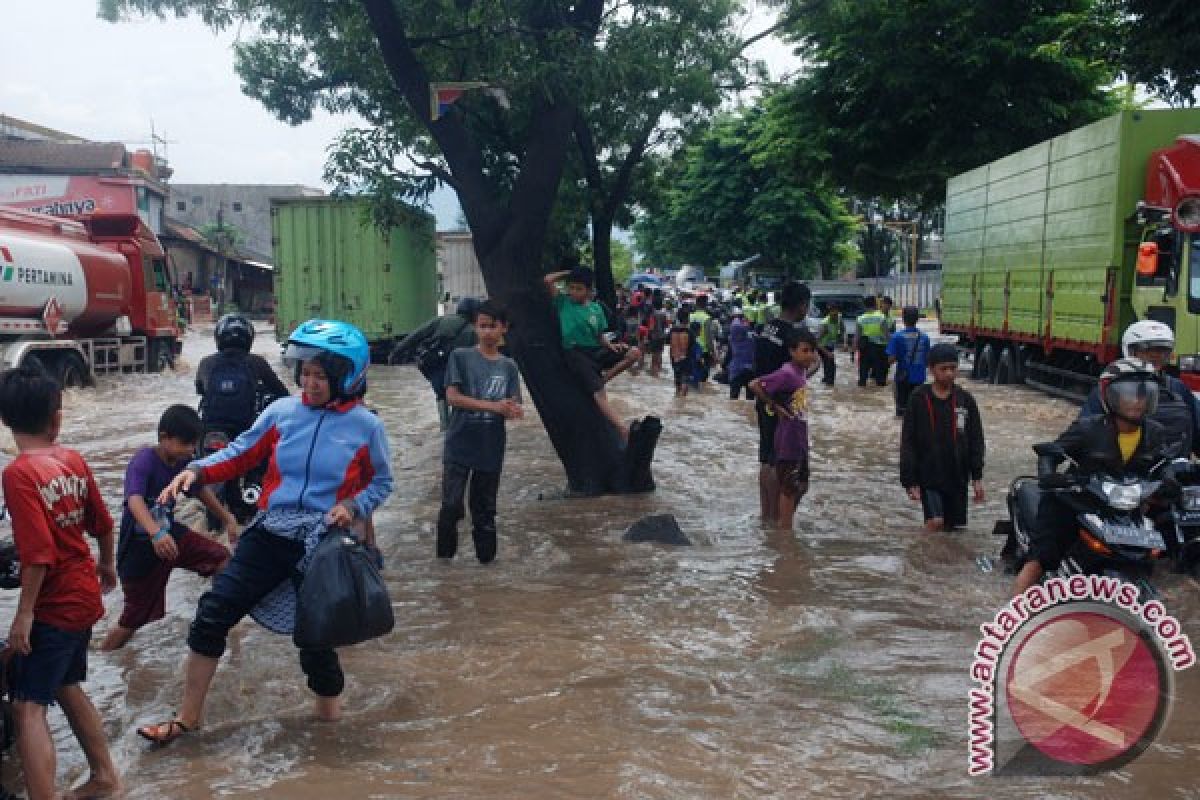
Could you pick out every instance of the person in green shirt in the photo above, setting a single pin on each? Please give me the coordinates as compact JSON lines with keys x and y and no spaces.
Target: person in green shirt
{"x":590,"y":356}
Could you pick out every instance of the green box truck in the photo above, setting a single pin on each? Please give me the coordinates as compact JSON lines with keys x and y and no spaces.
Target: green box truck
{"x":331,"y":261}
{"x":1052,"y":251}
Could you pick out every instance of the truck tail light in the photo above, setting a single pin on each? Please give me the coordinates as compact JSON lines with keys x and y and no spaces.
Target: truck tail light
{"x":1187,"y":214}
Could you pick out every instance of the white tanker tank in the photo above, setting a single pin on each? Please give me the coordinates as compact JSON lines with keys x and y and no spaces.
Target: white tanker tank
{"x":40,"y":259}
{"x":84,"y":296}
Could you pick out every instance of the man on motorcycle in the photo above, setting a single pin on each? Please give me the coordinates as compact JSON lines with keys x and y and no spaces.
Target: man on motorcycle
{"x":1124,"y":439}
{"x":1178,"y":410}
{"x":233,"y":383}
{"x":234,"y":386}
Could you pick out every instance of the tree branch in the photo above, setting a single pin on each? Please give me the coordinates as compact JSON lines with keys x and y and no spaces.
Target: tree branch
{"x":463,"y":154}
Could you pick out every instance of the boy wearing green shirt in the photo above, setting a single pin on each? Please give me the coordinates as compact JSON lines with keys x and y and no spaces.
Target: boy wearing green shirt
{"x":591,"y":357}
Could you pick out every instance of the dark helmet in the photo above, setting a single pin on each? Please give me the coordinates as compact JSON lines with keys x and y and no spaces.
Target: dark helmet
{"x":234,"y":330}
{"x":467,"y":307}
{"x":1129,"y":389}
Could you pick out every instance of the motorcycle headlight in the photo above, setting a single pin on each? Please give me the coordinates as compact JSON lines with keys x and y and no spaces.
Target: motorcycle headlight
{"x":1187,"y":363}
{"x":1191,"y":498}
{"x":1122,"y":496}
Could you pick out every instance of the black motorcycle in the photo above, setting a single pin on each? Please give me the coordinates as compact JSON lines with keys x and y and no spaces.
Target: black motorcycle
{"x":1116,"y":531}
{"x":1180,"y":523}
{"x":241,"y":494}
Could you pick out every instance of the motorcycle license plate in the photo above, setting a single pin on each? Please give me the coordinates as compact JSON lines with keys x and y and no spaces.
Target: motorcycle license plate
{"x":1131,"y":536}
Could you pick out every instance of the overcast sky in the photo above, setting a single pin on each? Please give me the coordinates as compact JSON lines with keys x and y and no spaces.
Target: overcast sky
{"x":63,"y":68}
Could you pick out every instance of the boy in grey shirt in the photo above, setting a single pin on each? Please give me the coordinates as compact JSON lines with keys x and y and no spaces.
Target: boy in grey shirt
{"x":484,"y":389}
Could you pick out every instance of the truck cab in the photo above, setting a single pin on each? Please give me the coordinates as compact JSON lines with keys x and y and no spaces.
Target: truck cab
{"x":1167,"y":255}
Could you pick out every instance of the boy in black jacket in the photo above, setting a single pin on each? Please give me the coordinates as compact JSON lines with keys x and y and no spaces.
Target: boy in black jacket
{"x":941,"y":445}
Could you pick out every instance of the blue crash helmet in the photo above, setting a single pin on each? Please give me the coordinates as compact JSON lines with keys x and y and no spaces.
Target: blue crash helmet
{"x":339,"y":347}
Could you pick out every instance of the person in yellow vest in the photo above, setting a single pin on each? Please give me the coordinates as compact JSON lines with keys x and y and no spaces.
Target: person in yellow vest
{"x":871,"y":343}
{"x":833,"y":333}
{"x":885,"y":307}
{"x":706,"y":334}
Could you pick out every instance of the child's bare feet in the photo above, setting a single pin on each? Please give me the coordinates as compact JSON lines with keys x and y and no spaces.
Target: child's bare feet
{"x":95,"y":788}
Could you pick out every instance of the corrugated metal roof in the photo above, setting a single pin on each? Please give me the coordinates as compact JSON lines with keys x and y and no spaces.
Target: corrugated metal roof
{"x":18,"y":154}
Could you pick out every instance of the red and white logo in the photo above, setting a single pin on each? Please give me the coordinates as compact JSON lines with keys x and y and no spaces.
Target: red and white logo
{"x":1084,"y":688}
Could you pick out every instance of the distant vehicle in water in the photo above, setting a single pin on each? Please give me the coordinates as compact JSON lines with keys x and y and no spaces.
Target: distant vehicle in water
{"x":647,"y":279}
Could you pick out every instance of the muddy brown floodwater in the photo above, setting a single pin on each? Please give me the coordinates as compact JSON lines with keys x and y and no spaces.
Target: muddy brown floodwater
{"x":828,"y":662}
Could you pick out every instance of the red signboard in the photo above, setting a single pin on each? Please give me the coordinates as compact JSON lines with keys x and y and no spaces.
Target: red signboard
{"x":69,"y":195}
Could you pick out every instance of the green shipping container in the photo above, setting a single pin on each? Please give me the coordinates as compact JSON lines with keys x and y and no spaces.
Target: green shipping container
{"x":332,"y":262}
{"x":1032,"y":237}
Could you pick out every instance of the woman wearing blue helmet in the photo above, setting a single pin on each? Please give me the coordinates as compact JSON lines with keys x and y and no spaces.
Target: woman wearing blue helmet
{"x":329,"y":466}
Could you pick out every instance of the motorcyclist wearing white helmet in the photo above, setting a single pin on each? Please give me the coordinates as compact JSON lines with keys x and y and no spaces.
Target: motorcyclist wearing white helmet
{"x":1123,"y":439}
{"x":1178,"y":410}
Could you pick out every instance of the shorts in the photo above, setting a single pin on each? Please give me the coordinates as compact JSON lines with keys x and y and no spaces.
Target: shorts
{"x":58,"y":659}
{"x":950,"y":506}
{"x":146,"y":595}
{"x":792,"y":476}
{"x":587,"y":363}
{"x":766,"y":433}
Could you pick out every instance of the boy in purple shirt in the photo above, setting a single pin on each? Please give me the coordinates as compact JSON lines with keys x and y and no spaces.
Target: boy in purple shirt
{"x":148,"y":550}
{"x":785,"y":394}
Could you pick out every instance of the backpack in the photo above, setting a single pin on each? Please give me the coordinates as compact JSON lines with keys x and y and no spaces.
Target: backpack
{"x":433,"y":353}
{"x":230,"y":394}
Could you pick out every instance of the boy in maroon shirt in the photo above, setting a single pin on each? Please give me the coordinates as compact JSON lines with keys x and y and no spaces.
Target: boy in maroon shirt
{"x":53,"y":501}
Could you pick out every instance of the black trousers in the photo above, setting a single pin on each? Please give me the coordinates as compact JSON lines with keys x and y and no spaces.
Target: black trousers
{"x":872,"y":362}
{"x":482,"y":500}
{"x":739,"y":382}
{"x":828,"y":368}
{"x":903,"y":391}
{"x":261,"y":562}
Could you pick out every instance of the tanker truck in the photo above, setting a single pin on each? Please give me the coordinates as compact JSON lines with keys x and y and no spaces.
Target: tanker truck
{"x":84,"y":297}
{"x":1051,"y":252}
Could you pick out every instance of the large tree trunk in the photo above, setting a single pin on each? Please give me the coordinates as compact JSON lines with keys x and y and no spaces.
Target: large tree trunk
{"x":586,"y":444}
{"x":602,"y":258}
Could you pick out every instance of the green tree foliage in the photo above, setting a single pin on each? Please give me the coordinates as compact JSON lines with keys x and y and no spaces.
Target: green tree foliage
{"x":904,"y":95}
{"x":746,"y":185}
{"x":671,"y":67}
{"x":1157,"y":44}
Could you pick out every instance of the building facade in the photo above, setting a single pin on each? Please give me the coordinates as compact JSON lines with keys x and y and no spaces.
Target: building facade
{"x":244,"y":208}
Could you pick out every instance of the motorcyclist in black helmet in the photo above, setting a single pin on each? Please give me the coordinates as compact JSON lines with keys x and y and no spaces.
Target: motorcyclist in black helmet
{"x":233,"y":383}
{"x":1124,"y":440}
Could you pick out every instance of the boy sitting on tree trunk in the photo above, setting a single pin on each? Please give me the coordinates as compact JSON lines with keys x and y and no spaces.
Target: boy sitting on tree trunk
{"x":591,"y":357}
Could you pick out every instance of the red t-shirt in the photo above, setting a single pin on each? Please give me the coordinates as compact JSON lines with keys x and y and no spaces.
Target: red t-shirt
{"x":53,"y":500}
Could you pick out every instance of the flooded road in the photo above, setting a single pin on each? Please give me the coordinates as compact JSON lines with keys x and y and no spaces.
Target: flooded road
{"x":828,"y":662}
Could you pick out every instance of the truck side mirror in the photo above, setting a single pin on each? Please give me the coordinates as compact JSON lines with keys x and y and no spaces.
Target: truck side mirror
{"x":1147,"y":259}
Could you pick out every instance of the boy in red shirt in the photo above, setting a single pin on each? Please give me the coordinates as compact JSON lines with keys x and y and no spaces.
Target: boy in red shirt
{"x":53,"y":501}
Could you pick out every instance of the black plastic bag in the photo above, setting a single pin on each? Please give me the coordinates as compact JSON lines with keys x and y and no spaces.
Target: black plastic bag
{"x":342,"y":599}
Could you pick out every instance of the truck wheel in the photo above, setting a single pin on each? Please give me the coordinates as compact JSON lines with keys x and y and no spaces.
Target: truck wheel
{"x":34,"y":361}
{"x":1006,"y":368}
{"x":985,"y":364}
{"x":72,"y":372}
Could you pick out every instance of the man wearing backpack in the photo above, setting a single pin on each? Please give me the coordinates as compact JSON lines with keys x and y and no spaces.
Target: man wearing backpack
{"x":431,"y":344}
{"x":234,"y":385}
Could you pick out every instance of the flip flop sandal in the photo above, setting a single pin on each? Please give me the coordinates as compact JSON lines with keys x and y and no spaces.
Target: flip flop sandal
{"x":163,"y":732}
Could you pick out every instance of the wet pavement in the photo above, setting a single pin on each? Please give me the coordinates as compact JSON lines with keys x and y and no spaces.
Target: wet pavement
{"x":831,"y":661}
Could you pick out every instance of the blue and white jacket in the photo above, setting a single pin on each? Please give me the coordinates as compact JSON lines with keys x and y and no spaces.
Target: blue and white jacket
{"x":318,"y":457}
